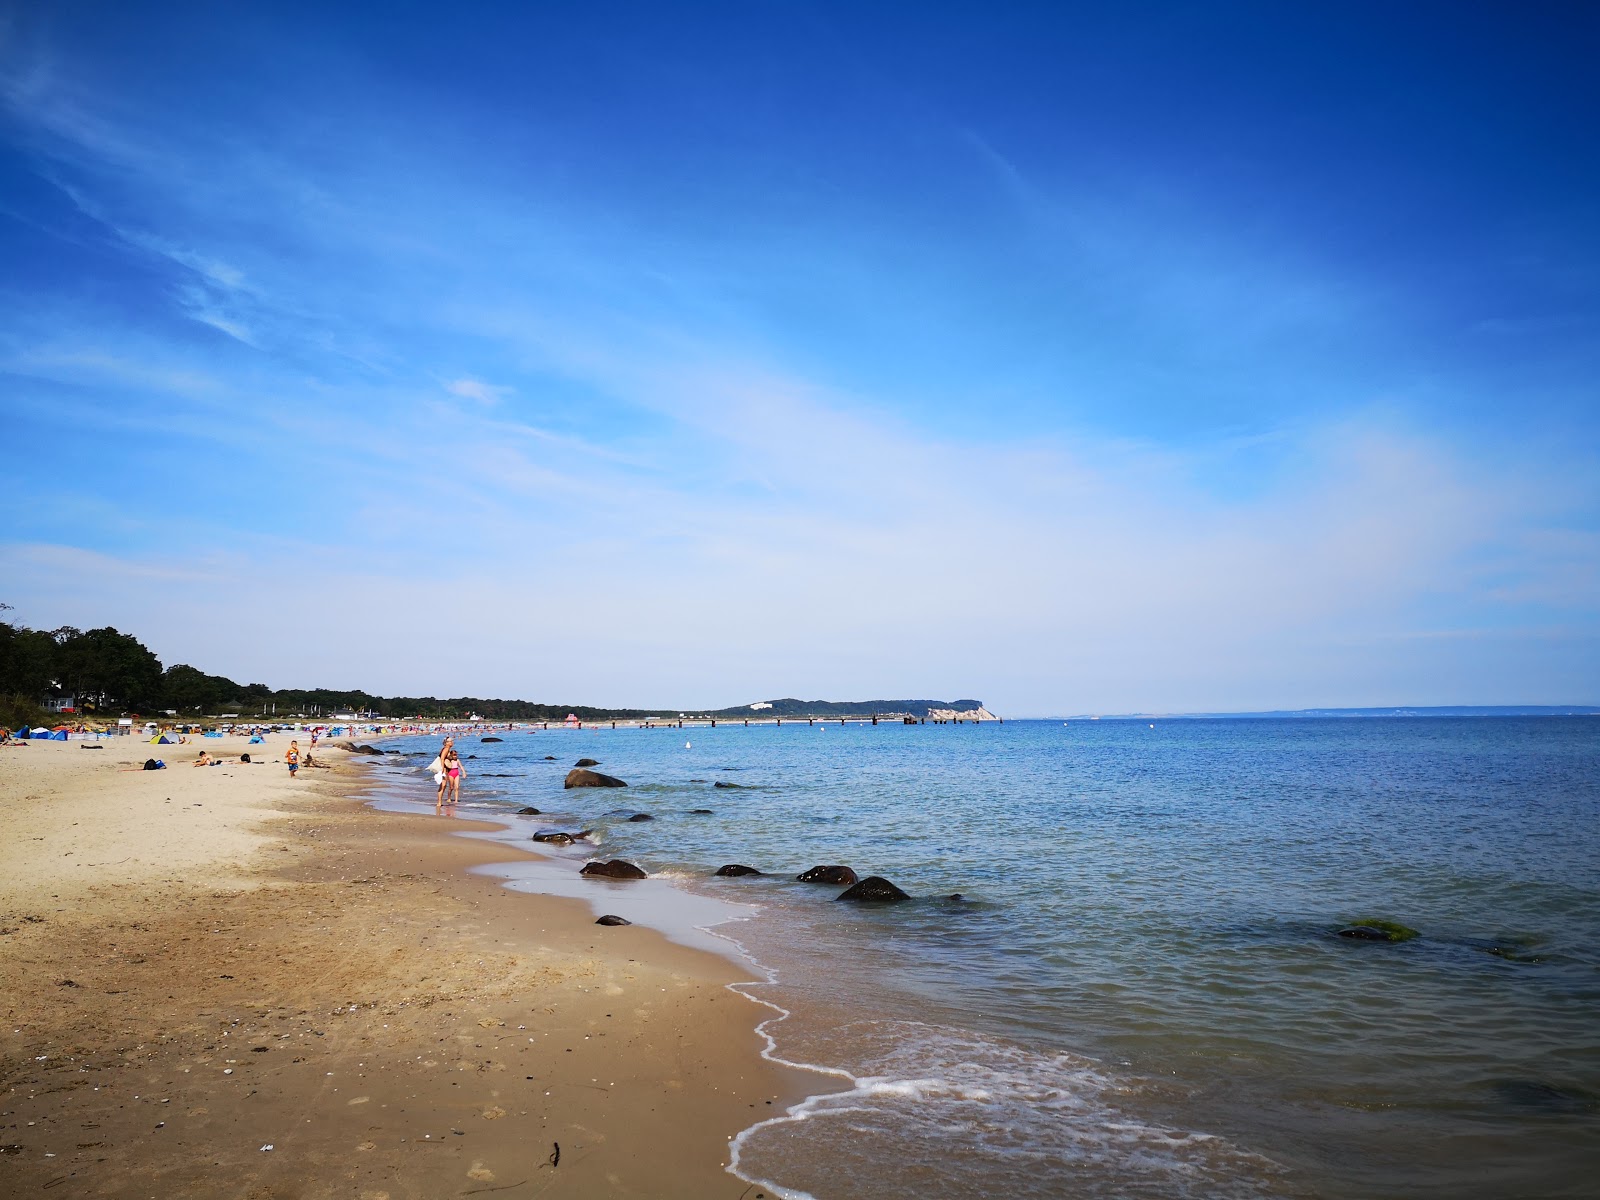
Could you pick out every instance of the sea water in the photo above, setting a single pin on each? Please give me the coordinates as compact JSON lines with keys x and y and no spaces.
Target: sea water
{"x":1141,"y":990}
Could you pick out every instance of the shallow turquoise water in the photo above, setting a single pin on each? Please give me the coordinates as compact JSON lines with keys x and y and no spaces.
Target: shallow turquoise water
{"x":1140,"y":992}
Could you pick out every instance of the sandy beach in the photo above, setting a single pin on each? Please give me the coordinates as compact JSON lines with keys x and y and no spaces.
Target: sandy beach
{"x":221,"y":981}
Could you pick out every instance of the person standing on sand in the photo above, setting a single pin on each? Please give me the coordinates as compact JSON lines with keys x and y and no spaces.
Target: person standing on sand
{"x":293,"y":758}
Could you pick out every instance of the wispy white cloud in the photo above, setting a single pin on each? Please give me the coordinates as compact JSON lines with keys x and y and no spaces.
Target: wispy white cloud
{"x":476,"y":389}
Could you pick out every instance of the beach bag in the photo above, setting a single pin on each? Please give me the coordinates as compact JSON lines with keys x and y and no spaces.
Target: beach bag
{"x":154,"y":764}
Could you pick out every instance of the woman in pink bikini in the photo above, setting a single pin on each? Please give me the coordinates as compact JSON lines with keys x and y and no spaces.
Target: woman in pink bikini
{"x":453,"y":771}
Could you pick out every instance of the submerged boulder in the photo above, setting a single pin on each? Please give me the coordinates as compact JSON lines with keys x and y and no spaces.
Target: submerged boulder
{"x":700,"y":812}
{"x":493,"y":739}
{"x":838,"y":875}
{"x":587,"y":762}
{"x":874,"y":889}
{"x":641,"y":817}
{"x":1374,"y":930}
{"x":578,"y":777}
{"x":734,"y":870}
{"x":613,"y":919}
{"x":615,"y":869}
{"x":528,"y":812}
{"x":549,"y":758}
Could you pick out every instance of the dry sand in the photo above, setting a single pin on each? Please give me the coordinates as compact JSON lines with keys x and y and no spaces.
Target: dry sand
{"x":221,"y":982}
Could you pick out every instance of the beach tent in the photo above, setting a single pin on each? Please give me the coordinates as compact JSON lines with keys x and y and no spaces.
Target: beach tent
{"x":164,"y":740}
{"x":53,"y":735}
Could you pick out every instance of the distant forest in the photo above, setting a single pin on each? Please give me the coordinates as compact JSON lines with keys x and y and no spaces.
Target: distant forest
{"x":110,"y":673}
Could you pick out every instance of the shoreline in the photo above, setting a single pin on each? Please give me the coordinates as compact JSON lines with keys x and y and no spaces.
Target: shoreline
{"x":278,"y":964}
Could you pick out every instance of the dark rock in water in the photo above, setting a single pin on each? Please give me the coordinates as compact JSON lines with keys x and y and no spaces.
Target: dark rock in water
{"x":699,"y":781}
{"x":700,"y":812}
{"x":1364,"y":933}
{"x":1534,"y":1095}
{"x":578,"y":777}
{"x":472,"y":756}
{"x":955,"y":896}
{"x":549,"y":758}
{"x":493,"y":739}
{"x":839,"y":875}
{"x":527,"y":812}
{"x":613,"y":919}
{"x":587,"y":762}
{"x":556,"y":837}
{"x":361,"y":749}
{"x":615,"y":869}
{"x":1513,"y":954}
{"x":1378,"y":931}
{"x":721,"y":784}
{"x":641,"y":817}
{"x":733,"y":870}
{"x":874,"y":889}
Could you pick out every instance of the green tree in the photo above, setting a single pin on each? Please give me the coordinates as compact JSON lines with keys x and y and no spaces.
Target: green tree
{"x":108,"y":668}
{"x":27,"y":662}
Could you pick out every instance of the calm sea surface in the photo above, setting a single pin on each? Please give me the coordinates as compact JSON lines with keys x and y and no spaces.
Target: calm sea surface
{"x":1141,"y":992}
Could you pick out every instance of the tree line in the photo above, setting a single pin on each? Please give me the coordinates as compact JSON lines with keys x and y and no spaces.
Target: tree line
{"x":111,"y":673}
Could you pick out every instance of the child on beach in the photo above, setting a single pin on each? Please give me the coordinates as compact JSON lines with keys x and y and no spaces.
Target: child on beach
{"x":293,"y":758}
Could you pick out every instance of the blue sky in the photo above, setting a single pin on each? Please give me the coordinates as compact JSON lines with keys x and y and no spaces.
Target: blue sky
{"x":1077,"y":357}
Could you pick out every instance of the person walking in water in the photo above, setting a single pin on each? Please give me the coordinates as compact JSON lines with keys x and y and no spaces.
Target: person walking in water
{"x":293,"y":758}
{"x":453,"y":771}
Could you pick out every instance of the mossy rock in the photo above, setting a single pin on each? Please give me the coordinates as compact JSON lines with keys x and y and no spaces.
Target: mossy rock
{"x":1372,"y":929}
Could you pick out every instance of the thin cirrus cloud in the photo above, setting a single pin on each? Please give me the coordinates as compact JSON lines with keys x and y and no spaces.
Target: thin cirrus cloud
{"x":619,"y":463}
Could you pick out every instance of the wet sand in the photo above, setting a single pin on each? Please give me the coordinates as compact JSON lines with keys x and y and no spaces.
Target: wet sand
{"x":218,"y":981}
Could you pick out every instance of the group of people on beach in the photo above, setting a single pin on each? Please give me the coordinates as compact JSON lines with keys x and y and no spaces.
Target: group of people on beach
{"x":447,"y":773}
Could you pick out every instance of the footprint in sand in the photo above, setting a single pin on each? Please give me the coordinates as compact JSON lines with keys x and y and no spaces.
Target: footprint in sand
{"x":480,"y":1173}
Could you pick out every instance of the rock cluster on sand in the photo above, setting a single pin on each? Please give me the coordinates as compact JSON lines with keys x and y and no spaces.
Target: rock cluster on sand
{"x":579,"y":777}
